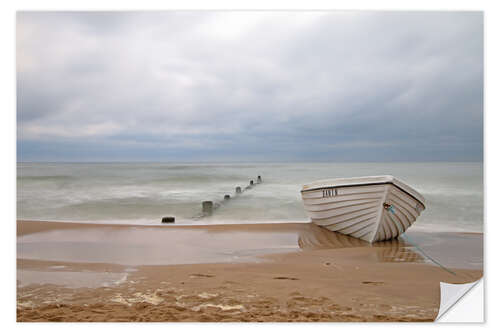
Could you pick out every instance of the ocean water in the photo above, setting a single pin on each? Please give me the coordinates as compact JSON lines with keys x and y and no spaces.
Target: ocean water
{"x":142,"y":193}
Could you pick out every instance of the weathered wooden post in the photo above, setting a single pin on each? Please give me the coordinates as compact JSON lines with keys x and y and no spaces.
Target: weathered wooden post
{"x":259,"y":180}
{"x":207,"y":207}
{"x":251,"y":183}
{"x":238,"y":190}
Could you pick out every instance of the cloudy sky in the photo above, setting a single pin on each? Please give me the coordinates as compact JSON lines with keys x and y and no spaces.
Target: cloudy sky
{"x":250,"y":86}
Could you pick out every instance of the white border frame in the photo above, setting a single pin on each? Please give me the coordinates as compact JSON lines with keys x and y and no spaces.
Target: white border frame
{"x":8,"y":132}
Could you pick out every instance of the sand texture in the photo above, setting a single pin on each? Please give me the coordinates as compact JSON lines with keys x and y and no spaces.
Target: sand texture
{"x":273,"y":272}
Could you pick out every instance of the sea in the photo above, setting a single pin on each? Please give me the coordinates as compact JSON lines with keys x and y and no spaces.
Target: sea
{"x":143,"y":193}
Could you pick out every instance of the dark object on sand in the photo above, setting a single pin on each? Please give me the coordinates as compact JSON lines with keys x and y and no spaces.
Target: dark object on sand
{"x":238,"y":189}
{"x":251,"y":182}
{"x":168,"y":219}
{"x":227,"y":197}
{"x":259,"y":180}
{"x":207,"y":207}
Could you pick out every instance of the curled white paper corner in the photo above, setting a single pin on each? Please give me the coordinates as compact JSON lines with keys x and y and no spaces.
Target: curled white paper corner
{"x":458,"y":304}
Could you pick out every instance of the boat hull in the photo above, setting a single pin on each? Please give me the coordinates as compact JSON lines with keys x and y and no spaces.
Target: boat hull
{"x":368,"y":211}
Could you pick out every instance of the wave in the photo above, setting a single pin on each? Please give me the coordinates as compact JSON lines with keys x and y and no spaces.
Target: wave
{"x":147,"y":191}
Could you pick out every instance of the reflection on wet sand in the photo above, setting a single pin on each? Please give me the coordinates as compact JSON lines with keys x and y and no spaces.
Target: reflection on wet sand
{"x":136,"y":245}
{"x":316,"y":238}
{"x":394,"y":250}
{"x":399,"y":254}
{"x":458,"y":250}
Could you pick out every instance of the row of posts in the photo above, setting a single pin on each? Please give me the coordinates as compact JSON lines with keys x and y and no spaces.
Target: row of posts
{"x":208,"y":206}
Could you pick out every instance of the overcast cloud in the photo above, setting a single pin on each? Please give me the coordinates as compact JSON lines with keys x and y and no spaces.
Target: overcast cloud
{"x":250,"y":86}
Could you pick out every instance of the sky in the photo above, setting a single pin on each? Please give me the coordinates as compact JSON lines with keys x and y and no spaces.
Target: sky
{"x":202,"y":86}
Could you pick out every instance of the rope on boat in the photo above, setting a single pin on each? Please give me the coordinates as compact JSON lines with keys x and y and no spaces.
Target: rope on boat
{"x":407,"y":239}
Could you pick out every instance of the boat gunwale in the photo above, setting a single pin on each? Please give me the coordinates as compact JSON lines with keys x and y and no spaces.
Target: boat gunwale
{"x":364,"y":184}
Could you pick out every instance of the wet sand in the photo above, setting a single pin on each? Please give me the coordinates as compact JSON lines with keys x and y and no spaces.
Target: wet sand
{"x":257,"y":272}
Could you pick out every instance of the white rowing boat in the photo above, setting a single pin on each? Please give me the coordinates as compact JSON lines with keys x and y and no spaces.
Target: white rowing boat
{"x":374,"y":208}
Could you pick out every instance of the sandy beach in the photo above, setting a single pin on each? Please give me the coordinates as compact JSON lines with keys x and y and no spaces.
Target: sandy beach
{"x":240,"y":272}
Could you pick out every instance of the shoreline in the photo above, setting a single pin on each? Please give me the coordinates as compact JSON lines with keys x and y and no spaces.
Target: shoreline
{"x":32,"y":226}
{"x":310,"y":274}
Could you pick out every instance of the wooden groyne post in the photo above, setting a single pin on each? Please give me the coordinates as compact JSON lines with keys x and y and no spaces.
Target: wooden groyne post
{"x":207,"y":207}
